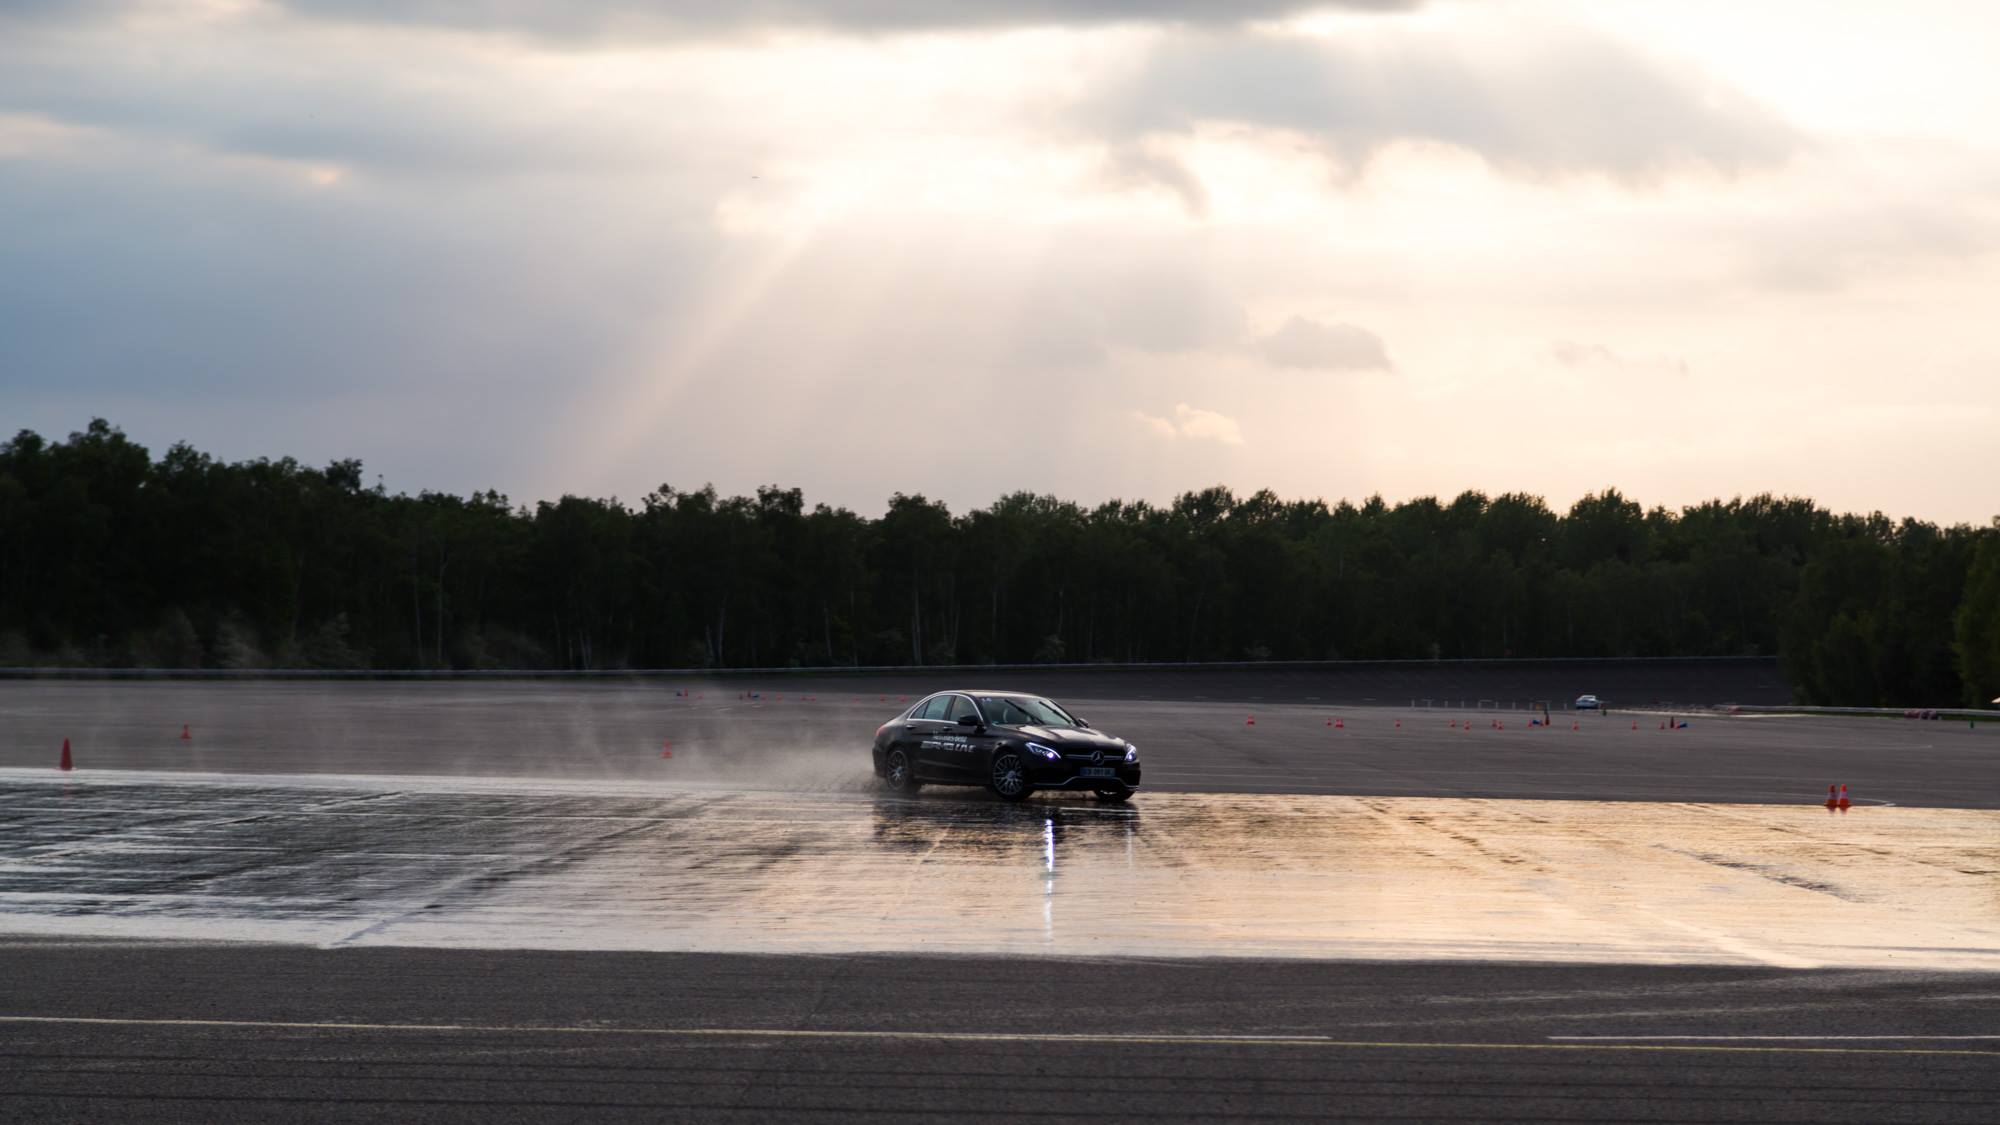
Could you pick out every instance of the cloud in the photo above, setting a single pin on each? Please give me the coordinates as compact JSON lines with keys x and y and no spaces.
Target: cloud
{"x":570,"y":18}
{"x":1138,"y":164}
{"x":1315,"y":346}
{"x":679,"y":19}
{"x":1528,"y":102}
{"x":1193,"y":424}
{"x":288,"y":92}
{"x":1569,"y":353}
{"x":1587,"y":356}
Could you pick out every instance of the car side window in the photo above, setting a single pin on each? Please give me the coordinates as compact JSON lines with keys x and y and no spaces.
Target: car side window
{"x":934,"y":709}
{"x":960,"y":707}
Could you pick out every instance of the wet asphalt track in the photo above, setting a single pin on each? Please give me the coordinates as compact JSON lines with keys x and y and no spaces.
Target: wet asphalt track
{"x":617,"y":731}
{"x":602,"y":866}
{"x":586,"y":1034}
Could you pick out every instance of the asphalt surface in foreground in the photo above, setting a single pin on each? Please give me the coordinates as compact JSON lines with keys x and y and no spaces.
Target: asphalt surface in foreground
{"x":220,"y":1034}
{"x":782,"y":740}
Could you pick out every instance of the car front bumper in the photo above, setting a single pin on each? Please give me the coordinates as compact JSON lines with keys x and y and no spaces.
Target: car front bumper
{"x":1070,"y":775}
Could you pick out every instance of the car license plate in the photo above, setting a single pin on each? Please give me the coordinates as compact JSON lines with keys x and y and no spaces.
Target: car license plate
{"x":1098,"y":771}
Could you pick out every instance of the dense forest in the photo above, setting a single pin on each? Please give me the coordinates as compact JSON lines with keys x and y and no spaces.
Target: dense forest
{"x":109,"y":557}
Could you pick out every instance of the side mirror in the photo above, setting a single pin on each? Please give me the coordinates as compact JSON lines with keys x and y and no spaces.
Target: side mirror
{"x":970,"y":721}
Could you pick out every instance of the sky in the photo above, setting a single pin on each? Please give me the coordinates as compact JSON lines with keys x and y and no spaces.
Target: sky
{"x":1095,"y":248}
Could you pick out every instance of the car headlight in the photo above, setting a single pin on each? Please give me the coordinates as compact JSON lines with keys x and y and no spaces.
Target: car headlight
{"x":1044,"y":751}
{"x":1131,"y":752}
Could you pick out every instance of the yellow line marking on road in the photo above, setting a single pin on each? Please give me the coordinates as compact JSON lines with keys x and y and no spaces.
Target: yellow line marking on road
{"x":1106,"y":1039}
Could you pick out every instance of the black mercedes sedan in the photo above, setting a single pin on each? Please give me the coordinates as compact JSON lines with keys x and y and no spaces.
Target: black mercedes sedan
{"x":1010,"y":742}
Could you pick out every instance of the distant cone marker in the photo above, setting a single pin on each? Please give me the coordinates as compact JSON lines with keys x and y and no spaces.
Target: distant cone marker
{"x":186,"y":734}
{"x":1832,"y":796}
{"x":1843,"y":796}
{"x":1249,"y":720}
{"x":666,"y":748}
{"x":65,"y":763}
{"x":1340,"y":724}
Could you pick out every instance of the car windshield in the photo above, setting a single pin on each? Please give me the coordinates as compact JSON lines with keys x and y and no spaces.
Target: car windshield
{"x":1024,"y":711}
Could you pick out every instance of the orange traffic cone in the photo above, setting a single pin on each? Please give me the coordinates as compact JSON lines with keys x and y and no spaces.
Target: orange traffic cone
{"x":65,"y":763}
{"x":186,"y":734}
{"x":666,"y":748}
{"x":1832,"y":796}
{"x":1340,"y":724}
{"x":1843,"y":797}
{"x":1574,"y":725}
{"x":1249,"y":720}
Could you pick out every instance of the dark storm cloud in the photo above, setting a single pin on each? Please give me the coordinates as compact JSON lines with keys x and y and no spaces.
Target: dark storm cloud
{"x":128,"y":273}
{"x":239,"y":307}
{"x":408,"y":109}
{"x":1550,"y":106}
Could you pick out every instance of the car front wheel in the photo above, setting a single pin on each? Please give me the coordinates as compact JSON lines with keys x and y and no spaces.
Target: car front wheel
{"x":896,"y":771}
{"x":1009,"y":777}
{"x":1114,"y":796}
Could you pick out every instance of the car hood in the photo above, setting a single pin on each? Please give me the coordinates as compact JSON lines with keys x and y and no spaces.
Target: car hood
{"x":1071,"y":738}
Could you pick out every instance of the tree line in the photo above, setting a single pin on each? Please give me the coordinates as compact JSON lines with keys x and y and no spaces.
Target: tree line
{"x":110,"y":557}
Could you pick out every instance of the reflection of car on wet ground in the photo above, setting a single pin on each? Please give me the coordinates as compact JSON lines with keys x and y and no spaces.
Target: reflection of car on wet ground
{"x":1009,"y":742}
{"x":1587,"y":703}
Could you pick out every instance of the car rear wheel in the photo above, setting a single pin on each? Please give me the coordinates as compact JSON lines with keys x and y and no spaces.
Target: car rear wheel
{"x":1009,"y":777}
{"x":896,"y":771}
{"x":1114,"y":796}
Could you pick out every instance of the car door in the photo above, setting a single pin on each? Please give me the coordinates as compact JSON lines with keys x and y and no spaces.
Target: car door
{"x":961,"y":750}
{"x":920,"y":736}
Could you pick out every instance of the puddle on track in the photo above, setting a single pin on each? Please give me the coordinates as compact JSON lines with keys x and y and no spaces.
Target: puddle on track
{"x":399,"y":861}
